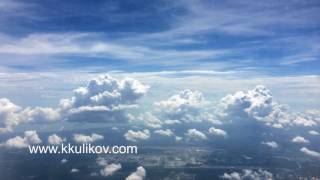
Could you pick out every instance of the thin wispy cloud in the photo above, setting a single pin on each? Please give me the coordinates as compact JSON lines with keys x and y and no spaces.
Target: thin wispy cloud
{"x":87,"y":45}
{"x":176,"y":35}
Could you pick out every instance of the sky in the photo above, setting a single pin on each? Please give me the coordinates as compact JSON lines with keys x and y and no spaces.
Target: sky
{"x":67,"y":42}
{"x":274,"y":37}
{"x":194,"y":71}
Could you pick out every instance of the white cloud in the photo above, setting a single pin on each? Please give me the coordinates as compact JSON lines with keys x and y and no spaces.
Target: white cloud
{"x":182,"y":106}
{"x":271,"y":144}
{"x":258,"y":105}
{"x":248,"y":174}
{"x":54,"y":139}
{"x":308,"y":118}
{"x":81,"y":138}
{"x":166,"y":132}
{"x":178,"y":138}
{"x":104,"y":98}
{"x":30,"y":138}
{"x":310,"y":152}
{"x":84,"y":44}
{"x":170,"y":122}
{"x":313,"y":132}
{"x":115,"y":128}
{"x":303,"y":120}
{"x":63,"y":161}
{"x":139,"y":174}
{"x":186,"y":106}
{"x":40,"y":113}
{"x":300,"y":139}
{"x":110,"y":169}
{"x":194,"y":134}
{"x":137,"y":135}
{"x":8,"y":115}
{"x":101,"y":161}
{"x":150,"y":120}
{"x":218,"y":132}
{"x":74,"y":170}
{"x":12,"y":115}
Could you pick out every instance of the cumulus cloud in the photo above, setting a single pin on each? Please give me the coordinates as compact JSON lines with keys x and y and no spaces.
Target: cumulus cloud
{"x":194,"y":134}
{"x":110,"y":169}
{"x":150,"y":120}
{"x":101,"y":161}
{"x":248,"y":175}
{"x":303,"y":119}
{"x":30,"y":138}
{"x":55,"y":139}
{"x":115,"y":128}
{"x":170,"y":122}
{"x":310,"y":152}
{"x":81,"y":138}
{"x":309,"y":118}
{"x":137,"y":135}
{"x":104,"y":98}
{"x":315,"y":133}
{"x":258,"y":104}
{"x":74,"y":170}
{"x":166,"y":132}
{"x":271,"y":144}
{"x":41,"y":113}
{"x":12,"y":115}
{"x":63,"y":161}
{"x":300,"y":139}
{"x":186,"y":106}
{"x":178,"y":138}
{"x":217,"y":132}
{"x":139,"y":174}
{"x":8,"y":115}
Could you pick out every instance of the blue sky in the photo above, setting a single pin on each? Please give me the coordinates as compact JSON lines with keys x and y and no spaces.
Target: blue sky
{"x":146,"y":62}
{"x":274,"y":38}
{"x":216,"y":47}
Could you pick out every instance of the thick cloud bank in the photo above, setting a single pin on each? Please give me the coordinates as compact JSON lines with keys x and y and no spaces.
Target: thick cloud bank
{"x":104,"y":98}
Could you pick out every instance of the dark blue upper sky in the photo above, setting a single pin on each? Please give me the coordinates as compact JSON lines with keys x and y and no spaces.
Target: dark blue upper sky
{"x":268,"y":37}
